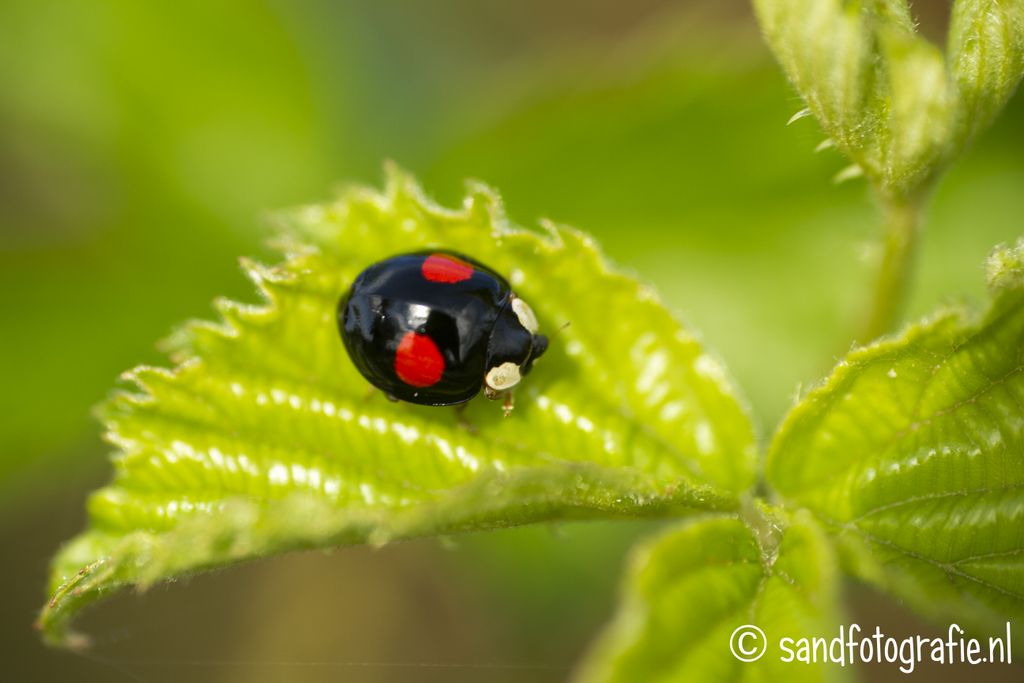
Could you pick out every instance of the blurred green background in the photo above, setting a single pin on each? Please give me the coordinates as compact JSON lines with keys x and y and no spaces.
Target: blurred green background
{"x":142,"y":143}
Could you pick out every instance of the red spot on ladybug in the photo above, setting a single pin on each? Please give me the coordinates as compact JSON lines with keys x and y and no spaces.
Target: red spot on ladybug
{"x":445,"y":268}
{"x":418,"y":362}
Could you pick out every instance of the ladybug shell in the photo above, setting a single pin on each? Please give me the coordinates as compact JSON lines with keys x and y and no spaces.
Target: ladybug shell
{"x":417,"y":326}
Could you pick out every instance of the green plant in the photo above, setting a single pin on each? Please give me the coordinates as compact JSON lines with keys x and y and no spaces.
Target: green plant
{"x":903,"y":468}
{"x":898,"y":108}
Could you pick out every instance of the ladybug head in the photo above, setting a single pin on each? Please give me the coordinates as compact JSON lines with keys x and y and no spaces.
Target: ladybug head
{"x":513,"y":346}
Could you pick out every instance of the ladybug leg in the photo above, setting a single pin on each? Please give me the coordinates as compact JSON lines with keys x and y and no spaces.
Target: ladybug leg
{"x":508,"y":405}
{"x":462,"y":420}
{"x":373,"y":391}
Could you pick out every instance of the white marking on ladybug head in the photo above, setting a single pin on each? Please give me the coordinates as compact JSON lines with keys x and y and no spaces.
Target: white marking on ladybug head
{"x":502,"y":377}
{"x":525,"y":314}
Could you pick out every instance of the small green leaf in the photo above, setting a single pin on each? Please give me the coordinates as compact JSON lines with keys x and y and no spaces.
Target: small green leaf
{"x":920,"y":106}
{"x":881,"y":91}
{"x":986,"y":56}
{"x":913,"y":453}
{"x":689,"y":590}
{"x":264,"y":438}
{"x":1005,"y":268}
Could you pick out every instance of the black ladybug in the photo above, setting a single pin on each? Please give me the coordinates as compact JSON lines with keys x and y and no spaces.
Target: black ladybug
{"x":433,"y":327}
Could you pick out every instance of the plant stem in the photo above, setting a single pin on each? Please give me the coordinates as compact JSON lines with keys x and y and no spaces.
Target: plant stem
{"x":903,"y":222}
{"x":764,"y":525}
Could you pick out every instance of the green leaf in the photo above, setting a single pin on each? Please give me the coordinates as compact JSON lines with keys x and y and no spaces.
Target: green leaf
{"x":913,"y":453}
{"x":880,"y":91}
{"x":687,"y":591}
{"x":919,"y":104}
{"x":986,"y":56}
{"x":264,"y":437}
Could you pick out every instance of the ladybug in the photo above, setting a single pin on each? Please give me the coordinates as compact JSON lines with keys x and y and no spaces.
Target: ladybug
{"x":434,"y":327}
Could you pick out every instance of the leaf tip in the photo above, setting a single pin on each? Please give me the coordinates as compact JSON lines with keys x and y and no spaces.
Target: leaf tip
{"x":400,"y":188}
{"x":1005,"y":267}
{"x":485,"y":202}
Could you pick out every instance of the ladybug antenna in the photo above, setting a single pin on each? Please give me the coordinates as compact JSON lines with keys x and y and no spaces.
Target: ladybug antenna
{"x":541,"y":342}
{"x":561,"y":329}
